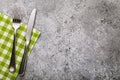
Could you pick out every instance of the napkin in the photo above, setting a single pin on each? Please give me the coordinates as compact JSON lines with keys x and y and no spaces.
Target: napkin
{"x":6,"y":43}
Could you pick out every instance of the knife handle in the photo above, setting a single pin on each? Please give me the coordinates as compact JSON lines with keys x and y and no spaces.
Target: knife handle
{"x":24,"y":62}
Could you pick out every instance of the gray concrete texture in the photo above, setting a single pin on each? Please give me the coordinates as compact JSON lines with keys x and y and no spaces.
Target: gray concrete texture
{"x":80,"y":39}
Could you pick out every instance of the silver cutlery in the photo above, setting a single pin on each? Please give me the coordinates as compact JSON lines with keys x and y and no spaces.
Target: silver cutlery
{"x":28,"y":38}
{"x":16,"y":25}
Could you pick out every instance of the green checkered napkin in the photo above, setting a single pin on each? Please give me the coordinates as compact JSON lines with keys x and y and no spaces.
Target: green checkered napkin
{"x":6,"y":42}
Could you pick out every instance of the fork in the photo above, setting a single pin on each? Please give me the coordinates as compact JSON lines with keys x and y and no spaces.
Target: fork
{"x":16,"y":25}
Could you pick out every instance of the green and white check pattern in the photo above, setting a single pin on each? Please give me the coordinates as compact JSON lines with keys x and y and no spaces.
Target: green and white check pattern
{"x":6,"y":42}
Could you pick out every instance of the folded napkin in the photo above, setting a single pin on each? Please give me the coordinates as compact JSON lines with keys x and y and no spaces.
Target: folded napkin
{"x":6,"y":43}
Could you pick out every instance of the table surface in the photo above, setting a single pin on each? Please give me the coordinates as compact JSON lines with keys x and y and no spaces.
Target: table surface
{"x":80,"y":39}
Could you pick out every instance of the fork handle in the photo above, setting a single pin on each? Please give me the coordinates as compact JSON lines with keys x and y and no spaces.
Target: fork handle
{"x":12,"y":66}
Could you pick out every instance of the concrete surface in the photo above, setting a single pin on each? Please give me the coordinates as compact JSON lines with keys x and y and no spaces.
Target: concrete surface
{"x":80,"y":39}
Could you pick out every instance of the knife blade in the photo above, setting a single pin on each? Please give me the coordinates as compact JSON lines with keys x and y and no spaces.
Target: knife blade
{"x":28,"y":38}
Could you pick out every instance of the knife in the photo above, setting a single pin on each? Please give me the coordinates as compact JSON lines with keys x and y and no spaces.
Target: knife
{"x":28,"y":38}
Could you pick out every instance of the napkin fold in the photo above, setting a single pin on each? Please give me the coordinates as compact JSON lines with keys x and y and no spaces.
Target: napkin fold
{"x":6,"y":43}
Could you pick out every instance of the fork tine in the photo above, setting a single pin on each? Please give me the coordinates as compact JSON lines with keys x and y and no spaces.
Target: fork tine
{"x":17,"y":12}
